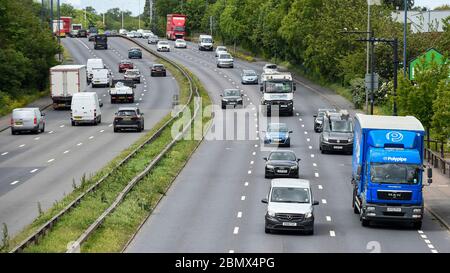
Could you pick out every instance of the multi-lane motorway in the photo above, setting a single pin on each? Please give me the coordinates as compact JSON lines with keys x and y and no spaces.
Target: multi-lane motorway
{"x":215,"y":203}
{"x":41,"y":168}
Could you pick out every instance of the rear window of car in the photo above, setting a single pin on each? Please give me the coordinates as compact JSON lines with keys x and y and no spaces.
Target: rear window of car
{"x":126,"y":113}
{"x":132,"y":72}
{"x":163,"y":43}
{"x":158,"y":66}
{"x":225,"y":56}
{"x":23,"y":113}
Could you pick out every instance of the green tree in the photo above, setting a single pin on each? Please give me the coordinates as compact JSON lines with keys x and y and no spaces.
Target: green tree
{"x":441,"y":109}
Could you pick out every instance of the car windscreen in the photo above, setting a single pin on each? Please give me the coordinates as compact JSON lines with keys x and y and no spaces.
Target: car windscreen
{"x":249,"y":73}
{"x":278,"y":87}
{"x":290,"y":195}
{"x":231,"y":93}
{"x":163,"y":43}
{"x":394,"y":173}
{"x":341,"y":126}
{"x":272,"y":66}
{"x":126,"y":113}
{"x":277,"y":127}
{"x":282,"y":156}
{"x":158,"y":67}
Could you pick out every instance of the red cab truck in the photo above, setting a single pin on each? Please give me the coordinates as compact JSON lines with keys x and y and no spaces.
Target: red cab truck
{"x":65,"y":25}
{"x":176,"y":26}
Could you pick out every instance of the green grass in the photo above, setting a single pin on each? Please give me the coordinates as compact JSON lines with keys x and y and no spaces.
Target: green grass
{"x":74,"y":222}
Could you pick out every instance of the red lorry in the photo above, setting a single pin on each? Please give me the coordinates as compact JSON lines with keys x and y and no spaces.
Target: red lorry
{"x":65,"y":25}
{"x":176,"y":26}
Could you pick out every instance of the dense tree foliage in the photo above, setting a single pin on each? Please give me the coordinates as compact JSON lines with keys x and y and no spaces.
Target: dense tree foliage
{"x":27,"y":51}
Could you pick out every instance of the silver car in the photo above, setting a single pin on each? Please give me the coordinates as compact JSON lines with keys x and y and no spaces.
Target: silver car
{"x":27,"y":119}
{"x":249,"y":77}
{"x":225,"y":60}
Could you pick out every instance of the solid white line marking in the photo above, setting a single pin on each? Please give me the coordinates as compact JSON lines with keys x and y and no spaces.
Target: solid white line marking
{"x":79,"y":144}
{"x":328,"y":218}
{"x":23,"y":145}
{"x":5,"y":153}
{"x":33,"y":171}
{"x":320,"y":187}
{"x":243,"y":197}
{"x":239,"y":215}
{"x":15,"y":182}
{"x":91,"y":137}
{"x":324,"y":201}
{"x":51,"y":160}
{"x":316,"y":174}
{"x":246,"y":184}
{"x":65,"y":152}
{"x":332,"y":233}
{"x":236,"y":230}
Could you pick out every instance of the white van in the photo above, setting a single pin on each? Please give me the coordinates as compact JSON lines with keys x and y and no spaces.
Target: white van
{"x":205,"y":42}
{"x":93,"y":64}
{"x":86,"y":108}
{"x":101,"y":77}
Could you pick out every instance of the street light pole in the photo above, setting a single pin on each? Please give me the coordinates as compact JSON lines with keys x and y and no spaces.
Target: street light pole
{"x":51,"y":16}
{"x":395,"y":47}
{"x":405,"y":62}
{"x":372,"y":71}
{"x":369,"y":30}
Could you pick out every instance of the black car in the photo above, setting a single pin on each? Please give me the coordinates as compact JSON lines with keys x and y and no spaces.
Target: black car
{"x":128,"y":118}
{"x":232,"y":97}
{"x":158,"y":70}
{"x":318,"y":119}
{"x":82,"y":33}
{"x":337,"y":133}
{"x":281,"y":164}
{"x":135,"y":53}
{"x":100,"y":41}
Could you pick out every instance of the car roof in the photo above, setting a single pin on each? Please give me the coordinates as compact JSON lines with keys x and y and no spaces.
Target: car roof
{"x":290,"y":182}
{"x":126,"y":61}
{"x":276,"y":124}
{"x":128,"y":108}
{"x":231,"y":89}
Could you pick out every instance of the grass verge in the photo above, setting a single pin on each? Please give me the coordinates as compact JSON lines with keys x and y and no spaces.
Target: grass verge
{"x":78,"y":219}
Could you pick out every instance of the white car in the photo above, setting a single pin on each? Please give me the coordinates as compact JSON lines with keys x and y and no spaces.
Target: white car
{"x":180,"y":43}
{"x":221,"y":49}
{"x":270,"y":68}
{"x":153,"y":39}
{"x":163,"y":46}
{"x":131,"y":34}
{"x":123,"y":31}
{"x":146,"y":34}
{"x":225,"y":60}
{"x":290,"y":206}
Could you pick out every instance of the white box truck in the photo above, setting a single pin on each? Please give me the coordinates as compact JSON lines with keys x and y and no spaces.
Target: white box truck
{"x":66,"y":80}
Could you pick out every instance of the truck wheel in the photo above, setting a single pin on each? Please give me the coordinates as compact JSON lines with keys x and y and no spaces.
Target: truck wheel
{"x":13,"y":132}
{"x":365,"y":222}
{"x":116,"y":130}
{"x":267,"y":230}
{"x":99,"y":119}
{"x":417,"y":225}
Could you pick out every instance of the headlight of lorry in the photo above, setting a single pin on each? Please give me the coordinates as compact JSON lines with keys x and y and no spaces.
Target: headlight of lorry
{"x":417,"y":210}
{"x":370,"y":208}
{"x":269,"y":166}
{"x":271,"y":213}
{"x":350,"y":139}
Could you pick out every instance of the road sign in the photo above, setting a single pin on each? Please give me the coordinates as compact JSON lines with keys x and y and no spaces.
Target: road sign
{"x":431,"y":55}
{"x":368,"y":80}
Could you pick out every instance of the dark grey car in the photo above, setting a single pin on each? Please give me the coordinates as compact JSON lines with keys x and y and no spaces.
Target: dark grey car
{"x":128,"y":118}
{"x":337,"y":134}
{"x":232,"y":97}
{"x":281,"y":164}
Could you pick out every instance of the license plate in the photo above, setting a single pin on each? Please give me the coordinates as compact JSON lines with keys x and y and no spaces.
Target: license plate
{"x":394,"y":209}
{"x":77,"y":117}
{"x":126,"y":118}
{"x":289,"y":224}
{"x":283,"y":106}
{"x":232,"y":103}
{"x":282,"y":171}
{"x":19,"y":123}
{"x":337,"y":147}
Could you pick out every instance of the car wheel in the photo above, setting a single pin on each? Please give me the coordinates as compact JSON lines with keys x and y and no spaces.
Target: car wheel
{"x":73,"y":123}
{"x":139,"y":129}
{"x":151,"y":74}
{"x":365,"y":222}
{"x":310,"y":232}
{"x":266,"y":175}
{"x":116,"y":130}
{"x":267,"y":230}
{"x":417,"y":225}
{"x":13,"y":132}
{"x":43,"y":128}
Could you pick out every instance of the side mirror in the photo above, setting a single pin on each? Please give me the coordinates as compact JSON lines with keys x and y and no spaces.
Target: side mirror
{"x":315,"y":116}
{"x":315,"y":203}
{"x":298,"y":159}
{"x":265,"y":158}
{"x":221,"y":95}
{"x":265,"y":201}
{"x":295,"y":87}
{"x":290,"y":132}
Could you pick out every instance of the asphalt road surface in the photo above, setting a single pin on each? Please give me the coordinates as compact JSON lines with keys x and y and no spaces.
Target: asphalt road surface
{"x":41,"y":168}
{"x":215,"y":203}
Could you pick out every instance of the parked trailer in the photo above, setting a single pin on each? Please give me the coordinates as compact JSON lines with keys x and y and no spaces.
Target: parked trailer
{"x":66,"y":80}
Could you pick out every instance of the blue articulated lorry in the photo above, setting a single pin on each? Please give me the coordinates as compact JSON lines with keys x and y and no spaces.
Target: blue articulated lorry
{"x":387,"y":169}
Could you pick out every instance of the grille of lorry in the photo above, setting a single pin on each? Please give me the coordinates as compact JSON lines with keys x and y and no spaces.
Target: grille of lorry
{"x":285,"y":217}
{"x":394,"y":195}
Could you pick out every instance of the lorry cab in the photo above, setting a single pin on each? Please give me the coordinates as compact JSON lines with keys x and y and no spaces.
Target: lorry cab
{"x":205,"y":42}
{"x":277,"y":93}
{"x":93,"y":64}
{"x":85,"y":108}
{"x":388,"y":168}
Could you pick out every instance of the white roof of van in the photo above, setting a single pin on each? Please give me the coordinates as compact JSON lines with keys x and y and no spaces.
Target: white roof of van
{"x":290,"y":182}
{"x":95,"y":60}
{"x":84,"y":94}
{"x":389,"y":122}
{"x":68,"y":67}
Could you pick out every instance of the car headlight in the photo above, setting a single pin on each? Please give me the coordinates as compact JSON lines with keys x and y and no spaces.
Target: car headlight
{"x":319,"y":121}
{"x":350,"y":139}
{"x":309,"y":214}
{"x":325,"y":138}
{"x":290,"y":102}
{"x":225,"y":99}
{"x":294,"y":167}
{"x":271,"y":213}
{"x":239,"y":99}
{"x":269,"y":166}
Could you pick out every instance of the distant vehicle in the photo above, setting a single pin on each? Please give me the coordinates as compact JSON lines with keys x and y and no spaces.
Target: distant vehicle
{"x":91,"y":37}
{"x":131,"y":34}
{"x":249,"y":77}
{"x":318,"y":118}
{"x":158,"y":69}
{"x":73,"y":33}
{"x":82,"y":33}
{"x":205,"y":42}
{"x":65,"y":25}
{"x":180,"y":43}
{"x":113,"y":33}
{"x":388,"y":170}
{"x":86,"y":108}
{"x":66,"y":80}
{"x":122,"y":91}
{"x":290,"y":206}
{"x":124,"y":65}
{"x":225,"y":60}
{"x":74,"y":29}
{"x":231,"y":97}
{"x":153,"y":39}
{"x":146,"y":34}
{"x":128,"y":118}
{"x":277,"y":93}
{"x":337,"y":133}
{"x":27,"y":119}
{"x":163,"y":46}
{"x":92,"y":29}
{"x":101,"y":77}
{"x":135,"y":53}
{"x":277,"y":134}
{"x":93,"y":64}
{"x":107,"y":32}
{"x":100,"y":41}
{"x":133,"y":74}
{"x":176,"y":26}
{"x":122,"y":31}
{"x":138,"y":35}
{"x":281,"y":164}
{"x":270,"y":68}
{"x":221,"y":49}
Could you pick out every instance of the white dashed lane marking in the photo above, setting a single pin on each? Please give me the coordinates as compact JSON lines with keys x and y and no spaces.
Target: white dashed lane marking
{"x":34,"y":170}
{"x":65,"y":152}
{"x":236,"y":230}
{"x":328,"y":218}
{"x":51,"y":160}
{"x":239,"y":214}
{"x":23,"y":145}
{"x":5,"y":153}
{"x":79,"y":144}
{"x":332,"y":233}
{"x":243,"y":197}
{"x":324,"y":201}
{"x":246,"y":184}
{"x":15,"y":182}
{"x":320,"y":187}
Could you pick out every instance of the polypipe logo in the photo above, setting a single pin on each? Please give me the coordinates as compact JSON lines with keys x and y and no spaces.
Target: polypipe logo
{"x":395,"y":159}
{"x":394,"y":136}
